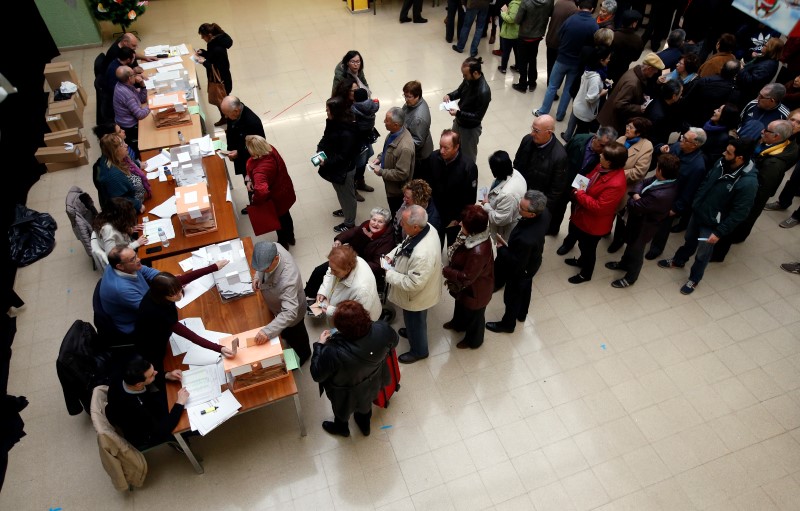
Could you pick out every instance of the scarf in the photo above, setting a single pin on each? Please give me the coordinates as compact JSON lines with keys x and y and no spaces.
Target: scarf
{"x":471,"y":241}
{"x":134,"y":169}
{"x":762,"y":150}
{"x":629,"y":143}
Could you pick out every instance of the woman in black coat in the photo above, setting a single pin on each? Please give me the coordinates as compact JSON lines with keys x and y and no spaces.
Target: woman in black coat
{"x":349,"y":363}
{"x":216,"y":55}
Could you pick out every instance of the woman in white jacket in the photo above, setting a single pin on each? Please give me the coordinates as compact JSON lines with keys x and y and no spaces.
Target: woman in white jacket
{"x":592,"y":90}
{"x":501,"y":201}
{"x":348,"y":278}
{"x":116,"y":225}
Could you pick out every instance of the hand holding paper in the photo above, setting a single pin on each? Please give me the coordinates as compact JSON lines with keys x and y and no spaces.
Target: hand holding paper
{"x":580,"y":182}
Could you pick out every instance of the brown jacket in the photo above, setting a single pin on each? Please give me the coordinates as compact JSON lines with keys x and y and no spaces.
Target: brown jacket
{"x":473,"y":269}
{"x":625,"y":100}
{"x":713,"y":66}
{"x":398,"y":164}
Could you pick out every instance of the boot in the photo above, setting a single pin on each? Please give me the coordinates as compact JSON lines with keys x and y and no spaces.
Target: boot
{"x":359,"y":198}
{"x":363,"y":186}
{"x":362,"y":421}
{"x":494,"y":34}
{"x":336,"y":427}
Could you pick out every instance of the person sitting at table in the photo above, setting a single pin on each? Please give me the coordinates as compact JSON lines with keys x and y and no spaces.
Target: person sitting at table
{"x":108,"y":82}
{"x":278,"y":279}
{"x":350,"y":366}
{"x":371,"y":240}
{"x":129,"y":94}
{"x":117,"y":224}
{"x":157,"y":318}
{"x":119,"y":175}
{"x":139,"y":409}
{"x":348,"y":278}
{"x":125,"y":281}
{"x":241,"y":121}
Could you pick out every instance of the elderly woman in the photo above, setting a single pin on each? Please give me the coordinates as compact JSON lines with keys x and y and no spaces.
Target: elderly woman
{"x":215,"y":58}
{"x":640,"y":154}
{"x":595,"y":209}
{"x":605,"y":15}
{"x":352,"y":66}
{"x":117,"y":225}
{"x":469,"y":276}
{"x":270,"y":188}
{"x":416,"y":192}
{"x":349,"y":363}
{"x":501,"y":202}
{"x":761,"y":70}
{"x":157,"y":318}
{"x":685,"y":70}
{"x":119,"y":175}
{"x":341,"y":143}
{"x":348,"y":278}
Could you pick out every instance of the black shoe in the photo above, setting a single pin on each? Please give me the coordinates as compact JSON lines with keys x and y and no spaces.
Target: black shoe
{"x":621,"y":283}
{"x":498,"y":327}
{"x":615,"y":265}
{"x":677,"y":228}
{"x":402,"y":332}
{"x":342,"y":227}
{"x":563,"y":249}
{"x":501,"y":69}
{"x":244,"y":211}
{"x":338,"y":213}
{"x":519,"y":88}
{"x":615,"y":245}
{"x":578,"y":279}
{"x":455,"y":49}
{"x":405,"y":20}
{"x":387,"y":315}
{"x":572,"y":261}
{"x":335,"y":428}
{"x":652,"y":254}
{"x":420,"y":20}
{"x":359,"y":197}
{"x":514,"y":68}
{"x":464,"y":345}
{"x":532,"y":87}
{"x":555,"y":98}
{"x":409,"y":358}
{"x":362,"y":421}
{"x":363,"y":186}
{"x":450,"y":326}
{"x":521,"y":319}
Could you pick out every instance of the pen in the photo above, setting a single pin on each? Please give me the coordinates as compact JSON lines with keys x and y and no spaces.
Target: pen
{"x":210,"y":409}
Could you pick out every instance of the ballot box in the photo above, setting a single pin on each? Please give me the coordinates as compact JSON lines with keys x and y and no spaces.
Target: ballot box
{"x":195,"y":210}
{"x":254,"y":364}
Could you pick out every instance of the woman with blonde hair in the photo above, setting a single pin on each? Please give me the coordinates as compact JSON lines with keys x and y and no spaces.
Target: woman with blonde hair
{"x":119,"y":176}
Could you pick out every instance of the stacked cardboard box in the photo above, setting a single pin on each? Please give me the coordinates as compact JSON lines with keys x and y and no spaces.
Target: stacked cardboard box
{"x":66,"y":145}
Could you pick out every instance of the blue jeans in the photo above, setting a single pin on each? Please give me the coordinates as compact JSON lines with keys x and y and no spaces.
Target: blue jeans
{"x":417,"y":331}
{"x":470,"y":16}
{"x":560,"y":71}
{"x":692,"y":245}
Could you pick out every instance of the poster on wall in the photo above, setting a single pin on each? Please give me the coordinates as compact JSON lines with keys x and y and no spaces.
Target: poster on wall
{"x":781,"y":15}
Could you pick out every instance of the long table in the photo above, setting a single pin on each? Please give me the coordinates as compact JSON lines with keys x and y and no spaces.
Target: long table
{"x":236,"y":316}
{"x":217,"y":177}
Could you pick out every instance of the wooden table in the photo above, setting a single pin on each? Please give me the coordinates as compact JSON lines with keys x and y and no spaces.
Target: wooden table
{"x":235,"y":316}
{"x":217,"y":177}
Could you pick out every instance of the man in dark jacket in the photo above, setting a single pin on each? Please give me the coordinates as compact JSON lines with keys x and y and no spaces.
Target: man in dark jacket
{"x":721,"y":204}
{"x":627,"y":45}
{"x":583,"y":155}
{"x":542,"y":160}
{"x":518,"y":259}
{"x":627,"y":96}
{"x":532,"y":17}
{"x":775,"y":154}
{"x":704,"y":95}
{"x":664,"y":112}
{"x":454,"y":183}
{"x":767,"y":107}
{"x":241,"y":122}
{"x":473,"y":97}
{"x":562,"y":10}
{"x":648,"y":205}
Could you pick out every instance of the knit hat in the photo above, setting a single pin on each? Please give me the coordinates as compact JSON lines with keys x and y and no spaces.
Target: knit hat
{"x":653,"y":60}
{"x":360,"y":95}
{"x":263,"y":254}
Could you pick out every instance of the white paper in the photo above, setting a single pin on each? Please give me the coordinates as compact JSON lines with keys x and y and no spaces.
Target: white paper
{"x":149,"y":84}
{"x":448,"y":106}
{"x":179,"y":343}
{"x":162,"y":176}
{"x":166,"y":209}
{"x":151,"y":230}
{"x":580,"y":182}
{"x":197,"y":355}
{"x":173,"y":67}
{"x":184,"y":157}
{"x":186,"y":264}
{"x":205,"y":145}
{"x":195,"y":289}
{"x":228,"y":197}
{"x":180,"y":49}
{"x":152,"y":51}
{"x":225,"y":406}
{"x":156,"y":161}
{"x":154,"y":174}
{"x":483,"y":192}
{"x":194,"y":212}
{"x":190,"y":197}
{"x":202,"y":385}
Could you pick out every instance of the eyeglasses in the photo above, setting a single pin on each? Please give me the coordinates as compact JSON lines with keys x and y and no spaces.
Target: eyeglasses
{"x":761,"y":96}
{"x":684,"y":139}
{"x":537,"y":130}
{"x":131,"y":260}
{"x":354,"y":61}
{"x":768,"y":131}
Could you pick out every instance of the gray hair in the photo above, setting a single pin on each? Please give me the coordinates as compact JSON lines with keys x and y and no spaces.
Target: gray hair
{"x":417,"y":216}
{"x":775,"y":91}
{"x":676,"y":38}
{"x":385,"y":213}
{"x":610,"y":6}
{"x":700,"y":134}
{"x":537,"y":201}
{"x":782,"y":128}
{"x":397,"y":115}
{"x":607,"y":132}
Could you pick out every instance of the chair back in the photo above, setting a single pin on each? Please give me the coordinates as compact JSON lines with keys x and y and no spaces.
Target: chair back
{"x":81,"y":212}
{"x":98,"y":254}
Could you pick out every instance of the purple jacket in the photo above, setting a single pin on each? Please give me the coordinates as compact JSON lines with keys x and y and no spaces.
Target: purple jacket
{"x":128,"y":105}
{"x":655,"y":203}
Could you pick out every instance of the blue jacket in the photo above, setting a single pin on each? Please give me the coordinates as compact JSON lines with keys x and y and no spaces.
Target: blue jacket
{"x":577,"y":32}
{"x":691,"y":174}
{"x":121,"y":293}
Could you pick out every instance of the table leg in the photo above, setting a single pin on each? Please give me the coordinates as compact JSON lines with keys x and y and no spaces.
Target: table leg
{"x":189,"y":454}
{"x":299,"y":411}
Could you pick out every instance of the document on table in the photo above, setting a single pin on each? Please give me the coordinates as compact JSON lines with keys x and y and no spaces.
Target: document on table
{"x":180,"y":49}
{"x":202,"y":384}
{"x":199,"y":356}
{"x":195,"y":289}
{"x":152,"y":51}
{"x":580,"y":182}
{"x":206,"y":149}
{"x":172,"y":67}
{"x":180,"y":344}
{"x":186,"y":264}
{"x":204,"y":417}
{"x":166,"y":209}
{"x":151,"y":230}
{"x":447,"y":106}
{"x":157,"y":161}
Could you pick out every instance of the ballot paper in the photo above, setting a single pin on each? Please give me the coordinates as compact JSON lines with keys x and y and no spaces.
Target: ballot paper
{"x":202,"y":384}
{"x":180,"y":49}
{"x":152,"y":51}
{"x":186,"y":264}
{"x":172,"y":67}
{"x":204,"y":417}
{"x":195,"y":289}
{"x":199,"y":356}
{"x":448,"y":105}
{"x":154,"y":174}
{"x":151,"y":230}
{"x":580,"y":182}
{"x":157,"y":161}
{"x":180,"y":344}
{"x":206,"y":148}
{"x":166,"y":209}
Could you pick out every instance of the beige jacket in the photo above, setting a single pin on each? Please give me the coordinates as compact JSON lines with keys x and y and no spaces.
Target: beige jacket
{"x":398,"y":164}
{"x":359,"y":285}
{"x":124,"y":463}
{"x":503,"y":205}
{"x":640,"y":155}
{"x":415,"y":283}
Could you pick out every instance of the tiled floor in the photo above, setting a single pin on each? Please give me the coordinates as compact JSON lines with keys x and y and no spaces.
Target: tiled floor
{"x":638,"y":399}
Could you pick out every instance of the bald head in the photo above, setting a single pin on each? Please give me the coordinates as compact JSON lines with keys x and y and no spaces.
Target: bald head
{"x":542,"y":129}
{"x":129,"y":41}
{"x":124,"y":73}
{"x":231,"y":107}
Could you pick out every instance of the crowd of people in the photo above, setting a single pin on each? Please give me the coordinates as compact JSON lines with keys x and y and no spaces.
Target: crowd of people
{"x":695,"y":138}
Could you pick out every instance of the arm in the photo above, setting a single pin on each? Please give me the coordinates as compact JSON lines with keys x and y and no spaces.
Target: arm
{"x":627,"y":104}
{"x":594,"y":90}
{"x":741,"y":208}
{"x":646,"y":204}
{"x":263,"y":169}
{"x":504,"y":210}
{"x":519,"y":17}
{"x":326,"y":288}
{"x":456,"y":94}
{"x":559,"y":183}
{"x":118,"y":185}
{"x":690,"y":188}
{"x":476,"y":265}
{"x":404,"y":161}
{"x":289,"y":313}
{"x":419,"y":131}
{"x":510,"y":16}
{"x":608,"y":200}
{"x":420,"y":269}
{"x":324,"y":362}
{"x":515,"y":258}
{"x":193,"y":275}
{"x":182,"y":330}
{"x":480,"y":110}
{"x":134,"y":102}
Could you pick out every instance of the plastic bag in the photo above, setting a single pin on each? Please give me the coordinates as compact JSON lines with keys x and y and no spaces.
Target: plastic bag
{"x":32,"y":236}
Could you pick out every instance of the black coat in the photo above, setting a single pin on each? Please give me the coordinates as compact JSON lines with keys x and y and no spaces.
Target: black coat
{"x":247,"y":124}
{"x":474,"y":97}
{"x":217,"y":55}
{"x":545,"y":169}
{"x":341,"y":143}
{"x":522,"y":257}
{"x":143,"y":418}
{"x":351,"y":372}
{"x":702,"y":96}
{"x":454,"y":185}
{"x":645,"y":214}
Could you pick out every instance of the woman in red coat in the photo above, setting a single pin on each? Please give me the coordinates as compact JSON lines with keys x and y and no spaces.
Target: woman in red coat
{"x":470,"y":276}
{"x":269,"y":185}
{"x":595,"y":208}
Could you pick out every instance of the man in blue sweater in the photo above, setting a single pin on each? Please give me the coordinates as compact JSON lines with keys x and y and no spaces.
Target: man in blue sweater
{"x":577,"y":32}
{"x":125,"y":282}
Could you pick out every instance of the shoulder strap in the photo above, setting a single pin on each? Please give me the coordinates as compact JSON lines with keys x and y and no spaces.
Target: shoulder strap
{"x":215,"y":74}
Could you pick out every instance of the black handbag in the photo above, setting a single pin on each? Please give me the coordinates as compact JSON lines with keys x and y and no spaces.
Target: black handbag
{"x":32,"y":236}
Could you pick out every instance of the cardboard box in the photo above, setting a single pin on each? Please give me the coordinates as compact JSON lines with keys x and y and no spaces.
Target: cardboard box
{"x":76,"y":97}
{"x":59,"y":158}
{"x":254,"y":364}
{"x":195,"y":211}
{"x":57,"y":72}
{"x":59,"y":138}
{"x":63,"y":115}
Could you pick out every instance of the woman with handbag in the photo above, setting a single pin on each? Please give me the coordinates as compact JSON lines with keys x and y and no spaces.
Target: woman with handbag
{"x":215,"y":60}
{"x":271,"y":190}
{"x":470,"y":276}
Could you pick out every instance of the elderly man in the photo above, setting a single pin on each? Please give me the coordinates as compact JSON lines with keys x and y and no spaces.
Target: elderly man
{"x":519,"y":258}
{"x":721,"y":204}
{"x":454,"y":183}
{"x":241,"y":122}
{"x":775,"y":154}
{"x":418,"y":123}
{"x":348,"y":278}
{"x":125,"y":282}
{"x":672,"y":54}
{"x":473,"y":97}
{"x":690,"y":174}
{"x":127,"y":40}
{"x":627,"y":97}
{"x":396,"y":163}
{"x":129,"y":94}
{"x":767,"y":107}
{"x":532,"y":17}
{"x":542,"y":160}
{"x":414,"y":275}
{"x":278,"y":279}
{"x":726,"y":44}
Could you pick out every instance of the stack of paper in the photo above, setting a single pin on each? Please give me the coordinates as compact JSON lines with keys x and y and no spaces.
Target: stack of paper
{"x":207,"y":416}
{"x":202,"y":383}
{"x":180,"y":344}
{"x":206,"y":148}
{"x":194,"y":290}
{"x":157,"y":161}
{"x":166,"y":209}
{"x":151,"y":230}
{"x":152,"y":51}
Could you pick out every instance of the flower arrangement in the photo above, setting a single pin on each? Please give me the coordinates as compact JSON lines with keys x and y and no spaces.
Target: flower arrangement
{"x":119,"y":12}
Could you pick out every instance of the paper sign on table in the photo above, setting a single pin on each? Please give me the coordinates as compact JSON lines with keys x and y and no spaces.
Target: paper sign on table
{"x":166,"y":209}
